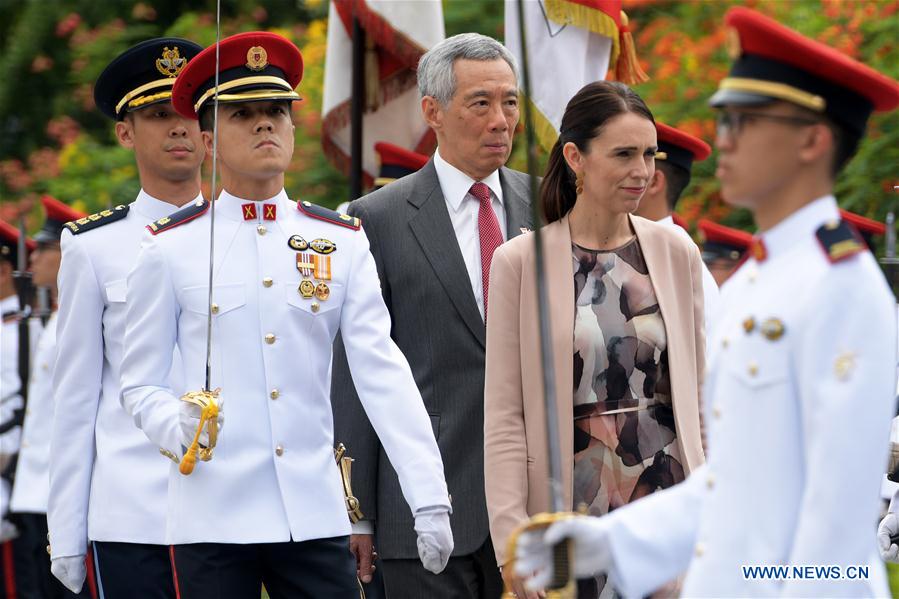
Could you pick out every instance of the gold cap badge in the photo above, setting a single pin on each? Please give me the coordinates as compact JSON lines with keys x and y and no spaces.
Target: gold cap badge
{"x":257,"y":58}
{"x":171,"y":62}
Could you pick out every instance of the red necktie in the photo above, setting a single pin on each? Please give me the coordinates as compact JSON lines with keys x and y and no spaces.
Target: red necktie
{"x":489,"y":232}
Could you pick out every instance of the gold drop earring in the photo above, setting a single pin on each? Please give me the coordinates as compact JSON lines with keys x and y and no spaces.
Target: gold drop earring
{"x":579,"y":183}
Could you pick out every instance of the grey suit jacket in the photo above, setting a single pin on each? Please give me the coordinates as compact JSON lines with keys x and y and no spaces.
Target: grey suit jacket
{"x":437,"y":325}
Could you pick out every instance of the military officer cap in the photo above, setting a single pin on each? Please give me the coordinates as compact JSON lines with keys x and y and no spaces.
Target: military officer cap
{"x":868,"y":228}
{"x":396,"y":162}
{"x":774,"y":62}
{"x":9,"y":243}
{"x":142,"y":75}
{"x":721,"y":242}
{"x":253,"y":66}
{"x":57,"y":215}
{"x":679,"y":148}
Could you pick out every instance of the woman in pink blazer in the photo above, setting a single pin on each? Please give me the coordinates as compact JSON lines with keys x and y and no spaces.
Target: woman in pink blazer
{"x":626,"y":314}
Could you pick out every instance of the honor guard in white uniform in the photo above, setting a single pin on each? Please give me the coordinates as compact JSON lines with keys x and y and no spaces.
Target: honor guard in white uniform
{"x":723,"y":248}
{"x":268,"y":507}
{"x":107,"y":484}
{"x":12,"y":403}
{"x":32,"y":481}
{"x":674,"y":166}
{"x":802,"y":377}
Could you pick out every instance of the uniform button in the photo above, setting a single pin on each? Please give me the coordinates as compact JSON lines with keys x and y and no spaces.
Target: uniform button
{"x":275,"y":394}
{"x":279,"y":451}
{"x":710,"y":481}
{"x":700,"y":549}
{"x":716,"y":411}
{"x":267,"y":282}
{"x":270,"y":338}
{"x":315,"y":307}
{"x":753,"y":369}
{"x":725,"y":342}
{"x":261,"y":230}
{"x":214,"y":308}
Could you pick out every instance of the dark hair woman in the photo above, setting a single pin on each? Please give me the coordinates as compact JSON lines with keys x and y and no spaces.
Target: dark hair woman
{"x":626,"y":314}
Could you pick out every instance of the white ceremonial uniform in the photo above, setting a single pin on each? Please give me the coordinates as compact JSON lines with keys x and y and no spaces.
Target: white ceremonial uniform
{"x":32,"y":484}
{"x":10,"y":383}
{"x":119,"y":495}
{"x":710,"y":291}
{"x":798,"y":428}
{"x":273,"y":477}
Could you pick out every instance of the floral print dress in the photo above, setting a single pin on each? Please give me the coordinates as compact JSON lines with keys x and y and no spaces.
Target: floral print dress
{"x":625,"y":442}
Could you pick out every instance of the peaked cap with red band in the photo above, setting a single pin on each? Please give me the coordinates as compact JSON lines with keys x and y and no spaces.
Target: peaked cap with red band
{"x":720,"y":241}
{"x":679,"y":148}
{"x":777,"y":63}
{"x":868,"y":228}
{"x":9,"y":242}
{"x":253,"y":66}
{"x":57,"y":215}
{"x":396,"y":162}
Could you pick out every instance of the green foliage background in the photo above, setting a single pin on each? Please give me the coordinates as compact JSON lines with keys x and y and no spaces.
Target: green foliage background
{"x":52,"y":140}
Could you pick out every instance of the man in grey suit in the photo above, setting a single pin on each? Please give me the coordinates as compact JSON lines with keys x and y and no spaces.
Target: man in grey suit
{"x":433,"y":234}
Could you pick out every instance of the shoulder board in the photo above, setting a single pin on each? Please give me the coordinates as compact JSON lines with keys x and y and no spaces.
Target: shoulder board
{"x":329,"y":216}
{"x":97,"y":220}
{"x":188,"y":213}
{"x":839,"y":240}
{"x":12,"y":316}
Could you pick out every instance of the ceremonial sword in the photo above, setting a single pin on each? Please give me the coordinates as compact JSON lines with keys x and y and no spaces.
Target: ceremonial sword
{"x":207,"y":398}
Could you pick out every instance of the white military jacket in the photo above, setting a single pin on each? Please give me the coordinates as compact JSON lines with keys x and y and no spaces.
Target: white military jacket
{"x":106,"y":479}
{"x":273,"y":477}
{"x":32,"y":484}
{"x":800,"y":393}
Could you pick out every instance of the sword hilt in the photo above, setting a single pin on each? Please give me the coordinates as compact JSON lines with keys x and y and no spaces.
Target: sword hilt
{"x":206,"y":400}
{"x":561,"y":585}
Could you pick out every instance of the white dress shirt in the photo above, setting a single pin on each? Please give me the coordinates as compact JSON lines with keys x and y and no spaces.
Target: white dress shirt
{"x":107,"y":482}
{"x":463,"y":211}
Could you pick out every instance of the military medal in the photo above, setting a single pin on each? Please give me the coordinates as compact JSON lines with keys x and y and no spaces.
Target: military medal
{"x":297,"y":243}
{"x":322,"y":273}
{"x":305,"y":266}
{"x":323,"y":246}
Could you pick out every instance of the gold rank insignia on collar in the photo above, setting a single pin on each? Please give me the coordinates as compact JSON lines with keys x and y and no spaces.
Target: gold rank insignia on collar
{"x":171,"y":62}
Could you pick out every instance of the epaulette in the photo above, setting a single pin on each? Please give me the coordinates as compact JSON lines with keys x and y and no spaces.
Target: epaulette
{"x":97,"y":220}
{"x":188,"y":213}
{"x":839,"y":240}
{"x":329,"y":216}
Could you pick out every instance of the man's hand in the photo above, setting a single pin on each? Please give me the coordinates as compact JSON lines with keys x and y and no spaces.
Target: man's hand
{"x":435,"y":538}
{"x":889,"y":527}
{"x":70,"y":571}
{"x":590,"y":548}
{"x":190,"y":419}
{"x":362,"y":547}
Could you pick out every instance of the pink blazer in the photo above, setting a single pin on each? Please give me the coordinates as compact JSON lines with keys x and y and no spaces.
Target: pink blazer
{"x":515,"y":453}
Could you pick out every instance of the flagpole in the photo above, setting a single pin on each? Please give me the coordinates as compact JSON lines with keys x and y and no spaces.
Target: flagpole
{"x":357,"y":100}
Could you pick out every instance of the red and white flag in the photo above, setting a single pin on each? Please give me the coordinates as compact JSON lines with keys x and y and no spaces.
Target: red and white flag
{"x":398,"y":33}
{"x":570,"y":43}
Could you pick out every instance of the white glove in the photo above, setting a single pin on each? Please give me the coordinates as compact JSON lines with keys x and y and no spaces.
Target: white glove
{"x":889,"y":527}
{"x":8,"y":530}
{"x":435,"y":538}
{"x":590,"y":548}
{"x":70,"y":571}
{"x":190,"y":419}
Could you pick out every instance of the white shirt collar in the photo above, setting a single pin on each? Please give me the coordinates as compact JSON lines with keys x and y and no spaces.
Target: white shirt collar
{"x":153,"y":209}
{"x":668,"y":220}
{"x":800,"y":226}
{"x":232,"y":207}
{"x":455,"y":184}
